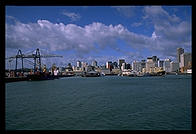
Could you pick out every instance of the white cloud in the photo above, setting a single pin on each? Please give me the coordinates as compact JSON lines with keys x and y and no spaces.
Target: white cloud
{"x":136,"y":24}
{"x":127,"y":11}
{"x":171,"y":31}
{"x":71,"y":15}
{"x":94,"y":37}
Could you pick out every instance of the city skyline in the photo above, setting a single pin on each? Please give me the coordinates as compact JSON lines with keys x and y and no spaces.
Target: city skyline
{"x":101,"y":33}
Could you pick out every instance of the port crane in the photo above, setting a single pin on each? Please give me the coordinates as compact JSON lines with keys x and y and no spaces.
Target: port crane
{"x":35,"y":56}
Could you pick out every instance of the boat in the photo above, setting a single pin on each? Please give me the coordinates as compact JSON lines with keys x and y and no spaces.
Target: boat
{"x":40,"y":76}
{"x":91,"y":74}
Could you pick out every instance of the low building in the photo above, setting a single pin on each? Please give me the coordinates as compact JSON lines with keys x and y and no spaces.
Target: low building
{"x":103,"y":71}
{"x":115,"y":71}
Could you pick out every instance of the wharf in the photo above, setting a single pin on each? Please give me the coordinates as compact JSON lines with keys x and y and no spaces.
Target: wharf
{"x":15,"y":79}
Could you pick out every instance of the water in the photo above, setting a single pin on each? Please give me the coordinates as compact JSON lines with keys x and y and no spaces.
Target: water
{"x":100,"y":103}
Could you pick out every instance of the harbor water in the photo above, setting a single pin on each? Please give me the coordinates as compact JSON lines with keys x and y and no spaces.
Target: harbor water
{"x":100,"y":103}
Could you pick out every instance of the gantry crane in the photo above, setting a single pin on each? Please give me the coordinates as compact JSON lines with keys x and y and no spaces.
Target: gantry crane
{"x":37,"y":58}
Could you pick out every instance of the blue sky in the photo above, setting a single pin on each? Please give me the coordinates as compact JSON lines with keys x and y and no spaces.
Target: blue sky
{"x":99,"y":32}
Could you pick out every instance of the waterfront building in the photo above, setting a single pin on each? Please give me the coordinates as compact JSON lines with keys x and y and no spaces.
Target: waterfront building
{"x":174,"y":66}
{"x":179,"y":52}
{"x":115,"y":64}
{"x":128,"y":66}
{"x":104,"y":71}
{"x":89,"y":68}
{"x":136,"y":66}
{"x":83,"y":65}
{"x":109,"y":65}
{"x":166,"y":65}
{"x":115,"y":71}
{"x":78,"y":64}
{"x":160,"y":63}
{"x":155,"y":60}
{"x":69,"y":65}
{"x":123,"y":67}
{"x":143,"y":64}
{"x":186,"y":59}
{"x":94,"y":63}
{"x":120,"y":61}
{"x":149,"y":64}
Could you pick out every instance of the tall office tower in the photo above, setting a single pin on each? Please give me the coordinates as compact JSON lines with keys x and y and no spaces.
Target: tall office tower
{"x":120,"y":61}
{"x":84,"y":64}
{"x":186,"y":60}
{"x":174,"y":66}
{"x":143,"y":64}
{"x":94,"y":63}
{"x":166,"y":65}
{"x":155,"y":60}
{"x":149,"y":64}
{"x":123,"y":66}
{"x":179,"y":52}
{"x":160,"y":63}
{"x":115,"y":64}
{"x":78,"y":64}
{"x":128,"y":66}
{"x":109,"y":64}
{"x":136,"y":66}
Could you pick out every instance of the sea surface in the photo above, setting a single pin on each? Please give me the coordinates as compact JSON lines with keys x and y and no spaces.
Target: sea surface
{"x":100,"y":103}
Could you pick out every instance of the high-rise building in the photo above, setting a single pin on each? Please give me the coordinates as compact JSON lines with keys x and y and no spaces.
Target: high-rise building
{"x":179,"y":52}
{"x":155,"y":60}
{"x":186,"y":60}
{"x":128,"y":66}
{"x":115,"y":64}
{"x":174,"y":66}
{"x":149,"y":64}
{"x":166,"y":65}
{"x":94,"y":63}
{"x":120,"y":61}
{"x":136,"y":66}
{"x":143,"y":64}
{"x":84,"y":64}
{"x":78,"y":64}
{"x":123,"y":66}
{"x":109,"y":65}
{"x":160,"y":63}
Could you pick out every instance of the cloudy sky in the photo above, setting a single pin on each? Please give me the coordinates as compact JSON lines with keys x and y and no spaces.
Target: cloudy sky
{"x":99,"y":32}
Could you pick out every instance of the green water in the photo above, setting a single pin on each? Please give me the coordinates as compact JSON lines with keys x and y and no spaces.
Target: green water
{"x":101,"y":103}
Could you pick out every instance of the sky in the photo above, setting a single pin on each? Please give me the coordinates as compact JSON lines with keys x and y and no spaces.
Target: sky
{"x":101,"y":33}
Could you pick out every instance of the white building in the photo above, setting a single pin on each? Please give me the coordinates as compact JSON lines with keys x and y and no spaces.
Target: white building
{"x":137,"y":66}
{"x":78,"y":64}
{"x":108,"y":64}
{"x":123,"y":67}
{"x":166,"y":65}
{"x":174,"y":66}
{"x":149,"y":64}
{"x":185,"y":59}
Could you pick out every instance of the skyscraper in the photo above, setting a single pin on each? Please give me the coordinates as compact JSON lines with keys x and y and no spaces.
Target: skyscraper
{"x":120,"y":61}
{"x":136,"y":66}
{"x":94,"y":63}
{"x":166,"y":65}
{"x":186,"y":59}
{"x":109,"y":64}
{"x":174,"y":66}
{"x":179,"y":52}
{"x":78,"y":64}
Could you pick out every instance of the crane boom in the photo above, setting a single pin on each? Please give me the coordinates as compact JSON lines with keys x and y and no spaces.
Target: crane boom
{"x":35,"y":56}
